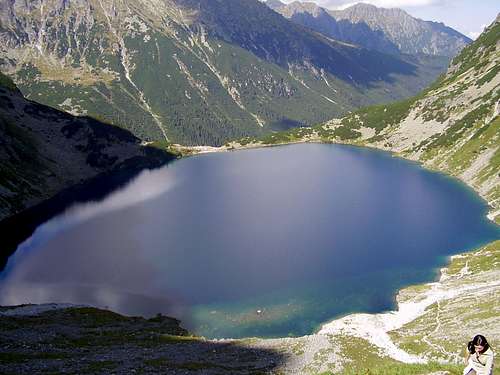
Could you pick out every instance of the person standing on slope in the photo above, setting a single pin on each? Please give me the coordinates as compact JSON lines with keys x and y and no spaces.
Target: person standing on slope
{"x":479,"y":357}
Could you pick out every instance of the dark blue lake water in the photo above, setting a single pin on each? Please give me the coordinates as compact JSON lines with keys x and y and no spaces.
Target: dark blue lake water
{"x":267,"y":242}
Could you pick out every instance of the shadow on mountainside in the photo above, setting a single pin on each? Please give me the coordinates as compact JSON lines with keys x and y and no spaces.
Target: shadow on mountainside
{"x":89,"y":340}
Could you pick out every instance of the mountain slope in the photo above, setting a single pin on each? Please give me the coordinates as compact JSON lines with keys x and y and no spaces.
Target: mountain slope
{"x":191,"y":71}
{"x":43,"y":150}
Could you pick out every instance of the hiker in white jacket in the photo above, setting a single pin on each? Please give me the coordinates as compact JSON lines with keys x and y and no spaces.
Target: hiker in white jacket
{"x":479,"y":357}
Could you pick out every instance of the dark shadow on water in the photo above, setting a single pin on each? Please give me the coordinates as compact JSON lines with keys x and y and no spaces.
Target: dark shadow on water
{"x":17,"y":228}
{"x":76,"y":340}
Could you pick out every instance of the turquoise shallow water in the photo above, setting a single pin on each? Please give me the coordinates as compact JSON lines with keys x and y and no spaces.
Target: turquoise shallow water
{"x":268,"y":242}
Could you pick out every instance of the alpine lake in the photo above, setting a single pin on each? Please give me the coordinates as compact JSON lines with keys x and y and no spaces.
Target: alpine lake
{"x":268,"y":242}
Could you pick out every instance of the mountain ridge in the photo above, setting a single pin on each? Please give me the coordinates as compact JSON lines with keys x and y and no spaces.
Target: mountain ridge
{"x":387,"y":30}
{"x":411,"y":35}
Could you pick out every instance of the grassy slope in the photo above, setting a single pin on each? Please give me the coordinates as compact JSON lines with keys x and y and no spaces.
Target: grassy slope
{"x":441,"y":333}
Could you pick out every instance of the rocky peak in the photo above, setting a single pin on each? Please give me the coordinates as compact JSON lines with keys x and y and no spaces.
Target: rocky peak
{"x":275,"y":4}
{"x":303,"y":7}
{"x":411,"y":35}
{"x":378,"y":18}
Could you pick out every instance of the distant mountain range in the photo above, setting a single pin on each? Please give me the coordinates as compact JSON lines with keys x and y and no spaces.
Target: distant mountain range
{"x":386,"y":30}
{"x":194,"y":71}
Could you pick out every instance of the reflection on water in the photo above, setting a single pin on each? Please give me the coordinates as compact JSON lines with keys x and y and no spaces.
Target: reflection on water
{"x":262,"y":242}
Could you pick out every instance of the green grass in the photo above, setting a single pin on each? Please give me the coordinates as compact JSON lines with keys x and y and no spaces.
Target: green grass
{"x":455,"y":132}
{"x":477,"y":261}
{"x":480,"y":137}
{"x":488,"y":76}
{"x":298,"y":348}
{"x":403,"y":369}
{"x":494,"y":164}
{"x":472,"y":55}
{"x":291,"y":135}
{"x":345,"y":133}
{"x":365,"y":359}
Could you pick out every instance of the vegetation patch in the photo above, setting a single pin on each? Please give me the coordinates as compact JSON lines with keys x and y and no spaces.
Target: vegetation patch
{"x":403,"y":369}
{"x":287,"y":136}
{"x":379,"y":117}
{"x":471,"y":55}
{"x":488,"y":76}
{"x":454,"y":132}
